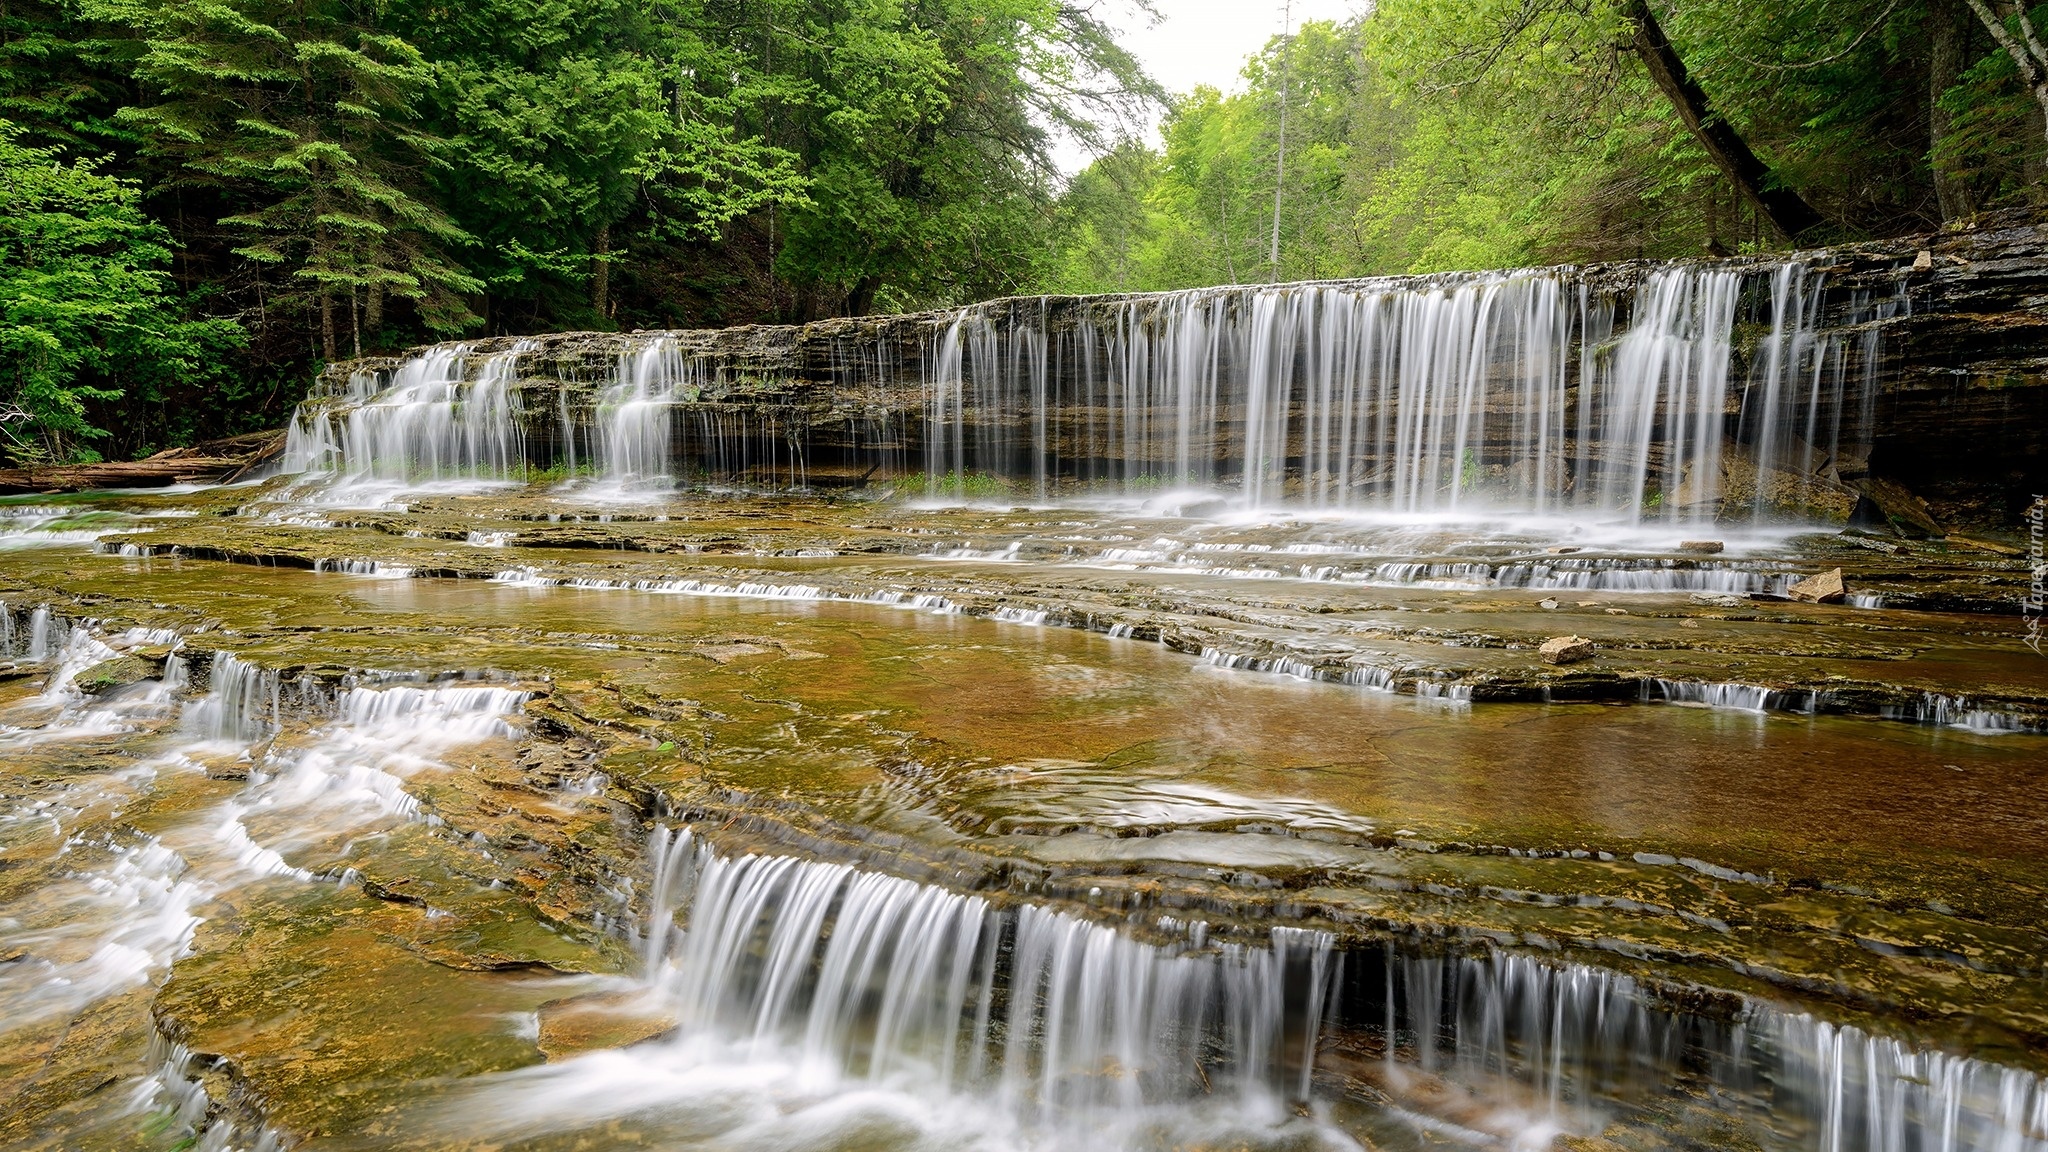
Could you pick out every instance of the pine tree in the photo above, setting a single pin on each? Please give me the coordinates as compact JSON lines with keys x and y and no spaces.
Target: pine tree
{"x":299,"y":114}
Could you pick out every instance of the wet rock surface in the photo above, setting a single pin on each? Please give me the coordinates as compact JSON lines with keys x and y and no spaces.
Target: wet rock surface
{"x":413,"y":842}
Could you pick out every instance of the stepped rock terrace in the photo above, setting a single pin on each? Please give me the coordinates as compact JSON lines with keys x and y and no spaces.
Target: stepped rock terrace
{"x":1107,"y":723}
{"x":1824,"y":387}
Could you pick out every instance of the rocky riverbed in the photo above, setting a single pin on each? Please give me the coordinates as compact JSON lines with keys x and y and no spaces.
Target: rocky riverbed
{"x":413,"y":826}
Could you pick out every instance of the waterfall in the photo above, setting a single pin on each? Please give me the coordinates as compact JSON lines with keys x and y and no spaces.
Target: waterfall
{"x":1057,"y":1018}
{"x":1508,"y":391}
{"x":243,"y":702}
{"x":790,"y":997}
{"x":1071,"y":1025}
{"x":432,"y":423}
{"x":636,"y":414}
{"x":1582,"y":1043}
{"x":1679,"y":395}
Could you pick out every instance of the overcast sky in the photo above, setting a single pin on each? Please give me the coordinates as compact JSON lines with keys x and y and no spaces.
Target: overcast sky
{"x":1204,"y":42}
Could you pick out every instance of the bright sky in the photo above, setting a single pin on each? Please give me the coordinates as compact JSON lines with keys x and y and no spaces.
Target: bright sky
{"x":1204,"y":42}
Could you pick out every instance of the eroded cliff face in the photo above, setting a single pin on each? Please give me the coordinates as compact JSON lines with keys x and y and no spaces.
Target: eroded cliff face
{"x":1902,"y":384}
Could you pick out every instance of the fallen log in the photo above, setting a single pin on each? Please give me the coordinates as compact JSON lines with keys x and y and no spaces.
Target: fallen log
{"x":213,"y":462}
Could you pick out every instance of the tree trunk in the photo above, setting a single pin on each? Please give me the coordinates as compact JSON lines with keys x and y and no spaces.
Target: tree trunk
{"x":601,"y":273}
{"x":373,"y":311}
{"x":327,"y":326}
{"x":1789,"y":214}
{"x":1948,"y":32}
{"x":861,"y":300}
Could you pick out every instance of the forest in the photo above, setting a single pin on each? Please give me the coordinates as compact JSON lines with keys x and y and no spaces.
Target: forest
{"x":202,"y":201}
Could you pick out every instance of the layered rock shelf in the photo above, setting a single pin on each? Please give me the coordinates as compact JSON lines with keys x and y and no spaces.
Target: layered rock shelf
{"x":1957,"y":392}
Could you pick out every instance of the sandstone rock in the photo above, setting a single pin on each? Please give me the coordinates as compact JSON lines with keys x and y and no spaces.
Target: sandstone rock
{"x":1984,"y":546}
{"x":1547,"y":605}
{"x":119,"y":672}
{"x":1825,"y":588}
{"x":1781,"y":493}
{"x":1896,"y":508}
{"x":1703,"y":547}
{"x":1562,"y":550}
{"x":1717,"y":599}
{"x":1566,"y":650}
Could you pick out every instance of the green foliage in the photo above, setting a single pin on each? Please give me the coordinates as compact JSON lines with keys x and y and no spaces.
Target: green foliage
{"x":86,"y":310}
{"x":1434,"y":135}
{"x":328,"y":175}
{"x":300,"y":115}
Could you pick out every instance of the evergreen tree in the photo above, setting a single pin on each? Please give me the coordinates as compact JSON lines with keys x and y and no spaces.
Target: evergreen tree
{"x":299,"y":115}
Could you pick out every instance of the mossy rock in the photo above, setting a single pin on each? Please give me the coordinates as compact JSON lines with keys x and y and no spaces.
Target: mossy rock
{"x":119,"y":672}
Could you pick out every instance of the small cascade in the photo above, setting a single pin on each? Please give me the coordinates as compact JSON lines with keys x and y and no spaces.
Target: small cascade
{"x":636,"y":414}
{"x":243,"y":704}
{"x":1732,"y":697}
{"x":1072,"y":1026}
{"x":135,"y":914}
{"x":1582,"y":1047}
{"x":1856,"y":1092}
{"x":1062,"y":1021}
{"x":432,"y":423}
{"x":351,"y":776}
{"x":1948,"y":711}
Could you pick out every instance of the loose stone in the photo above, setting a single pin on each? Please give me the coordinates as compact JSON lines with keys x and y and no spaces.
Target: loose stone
{"x":1566,"y":650}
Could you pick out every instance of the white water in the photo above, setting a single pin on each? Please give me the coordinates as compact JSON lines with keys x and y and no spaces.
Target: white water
{"x":443,"y":416}
{"x":1580,"y":1042}
{"x":1397,"y":396}
{"x":636,"y":415}
{"x":815,"y":997}
{"x":1529,"y":392}
{"x":812,"y":998}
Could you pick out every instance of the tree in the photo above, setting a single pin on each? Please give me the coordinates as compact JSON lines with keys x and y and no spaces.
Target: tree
{"x":299,"y":115}
{"x":86,"y":311}
{"x":1788,"y":212}
{"x":2013,"y":28}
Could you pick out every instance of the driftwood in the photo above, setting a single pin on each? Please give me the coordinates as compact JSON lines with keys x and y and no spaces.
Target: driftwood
{"x":210,"y":463}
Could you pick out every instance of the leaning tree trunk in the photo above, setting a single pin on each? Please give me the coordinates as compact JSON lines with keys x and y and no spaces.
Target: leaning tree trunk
{"x":1789,"y":214}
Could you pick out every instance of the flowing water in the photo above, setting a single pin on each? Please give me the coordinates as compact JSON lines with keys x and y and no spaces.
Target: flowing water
{"x":1699,"y":393}
{"x":1160,"y":759}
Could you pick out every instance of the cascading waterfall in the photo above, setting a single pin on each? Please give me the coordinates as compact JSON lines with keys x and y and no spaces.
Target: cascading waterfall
{"x":1072,"y":1025}
{"x":1583,"y":1043}
{"x":636,"y":414}
{"x":1506,"y":391}
{"x":1062,"y":1020}
{"x":244,"y":703}
{"x":432,"y":423}
{"x":1691,"y":394}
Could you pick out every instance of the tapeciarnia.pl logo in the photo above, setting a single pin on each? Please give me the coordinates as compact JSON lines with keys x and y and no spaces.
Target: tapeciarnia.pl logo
{"x":2036,"y":603}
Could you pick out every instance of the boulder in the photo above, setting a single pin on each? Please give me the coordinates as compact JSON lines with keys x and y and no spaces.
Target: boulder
{"x":119,"y":672}
{"x":1702,"y":547}
{"x":1566,"y":650}
{"x":1825,"y":588}
{"x":1892,"y":505}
